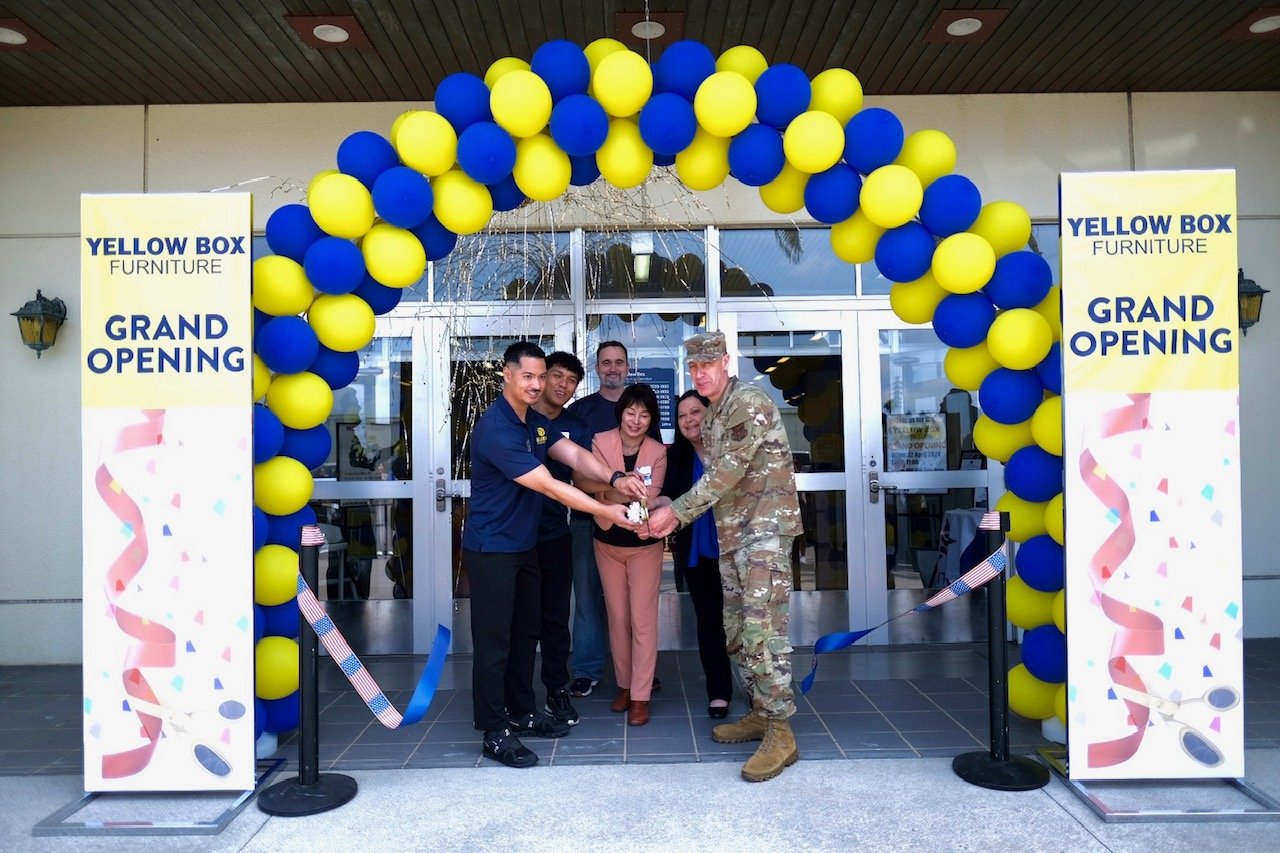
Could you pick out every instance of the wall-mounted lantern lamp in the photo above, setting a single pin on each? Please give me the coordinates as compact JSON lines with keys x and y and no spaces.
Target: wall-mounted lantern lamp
{"x":1250,"y":296}
{"x":39,"y":321}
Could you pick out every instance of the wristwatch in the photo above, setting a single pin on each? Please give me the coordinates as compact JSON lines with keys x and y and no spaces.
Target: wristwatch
{"x":615,"y":477}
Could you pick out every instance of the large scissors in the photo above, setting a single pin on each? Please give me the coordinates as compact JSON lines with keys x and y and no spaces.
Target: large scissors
{"x":1195,"y":743}
{"x":185,"y":727}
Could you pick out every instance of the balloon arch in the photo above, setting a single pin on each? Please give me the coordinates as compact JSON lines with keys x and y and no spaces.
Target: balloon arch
{"x":529,"y":130}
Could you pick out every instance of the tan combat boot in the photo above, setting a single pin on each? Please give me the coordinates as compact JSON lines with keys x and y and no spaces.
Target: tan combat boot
{"x":751,"y":727}
{"x":776,"y":752}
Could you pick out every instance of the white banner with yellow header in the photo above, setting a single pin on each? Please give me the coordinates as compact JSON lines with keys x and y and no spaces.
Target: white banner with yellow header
{"x":1152,"y":456}
{"x":166,"y":383}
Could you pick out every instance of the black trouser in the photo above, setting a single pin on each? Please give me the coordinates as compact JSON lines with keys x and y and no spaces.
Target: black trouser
{"x":555,"y":561}
{"x":703,"y":583}
{"x":504,"y":634}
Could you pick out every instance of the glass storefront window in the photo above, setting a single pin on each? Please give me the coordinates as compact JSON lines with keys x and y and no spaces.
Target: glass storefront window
{"x":645,"y":264}
{"x":505,"y":267}
{"x":782,"y":262}
{"x":368,"y":551}
{"x":928,"y":423}
{"x":371,"y":425}
{"x":801,"y":372}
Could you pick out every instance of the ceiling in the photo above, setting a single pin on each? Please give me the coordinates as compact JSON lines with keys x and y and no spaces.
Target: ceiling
{"x":107,"y":52}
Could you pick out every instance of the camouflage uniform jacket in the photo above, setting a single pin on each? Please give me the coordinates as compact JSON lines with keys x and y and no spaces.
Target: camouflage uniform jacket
{"x":749,"y":478}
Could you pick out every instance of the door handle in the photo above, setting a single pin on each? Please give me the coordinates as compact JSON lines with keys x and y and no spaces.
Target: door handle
{"x":873,"y":486}
{"x":441,"y":494}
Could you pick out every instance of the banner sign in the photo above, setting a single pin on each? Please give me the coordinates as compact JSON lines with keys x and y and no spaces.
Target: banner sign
{"x":1152,"y":456}
{"x":166,"y":380}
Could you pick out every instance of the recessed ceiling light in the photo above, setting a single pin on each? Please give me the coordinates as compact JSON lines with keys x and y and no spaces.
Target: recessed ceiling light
{"x":18,"y":37}
{"x":962,"y":27}
{"x":12,"y":37}
{"x":1269,"y":24}
{"x":648,"y":30}
{"x":1262,"y":23}
{"x":330,"y":33}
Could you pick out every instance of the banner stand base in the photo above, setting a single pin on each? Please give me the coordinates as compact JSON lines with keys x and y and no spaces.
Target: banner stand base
{"x":1016,"y":773}
{"x":291,"y":798}
{"x":57,"y":823}
{"x":1056,"y":758}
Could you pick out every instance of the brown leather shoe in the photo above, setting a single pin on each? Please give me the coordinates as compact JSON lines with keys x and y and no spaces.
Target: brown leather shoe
{"x":621,"y":702}
{"x":638,"y":714}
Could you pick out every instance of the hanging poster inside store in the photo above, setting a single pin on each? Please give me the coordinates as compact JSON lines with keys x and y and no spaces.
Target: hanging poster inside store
{"x":916,"y":442}
{"x":166,"y":382}
{"x":1152,"y":458}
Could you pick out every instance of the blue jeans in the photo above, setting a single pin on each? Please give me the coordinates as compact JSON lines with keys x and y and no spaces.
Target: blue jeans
{"x":588,"y":603}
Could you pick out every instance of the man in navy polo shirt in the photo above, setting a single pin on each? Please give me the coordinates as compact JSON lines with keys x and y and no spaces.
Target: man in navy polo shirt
{"x":509,"y":446}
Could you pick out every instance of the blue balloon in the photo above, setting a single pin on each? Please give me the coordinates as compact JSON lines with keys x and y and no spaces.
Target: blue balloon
{"x":1021,"y":280}
{"x":337,"y":369}
{"x":403,"y":197}
{"x":259,"y":528}
{"x":832,"y":196}
{"x":463,"y":99}
{"x":963,"y":319}
{"x":364,"y":155}
{"x":782,"y":93}
{"x":872,"y":138}
{"x":260,"y":319}
{"x":437,"y":240}
{"x":380,"y":297}
{"x":667,"y":123}
{"x":282,"y":715}
{"x":334,"y":265}
{"x":756,"y":156}
{"x":951,"y":204}
{"x":1044,"y":652}
{"x":287,"y":344}
{"x":579,"y":125}
{"x":507,"y":194}
{"x":1033,"y":474}
{"x":1008,"y":396}
{"x":311,"y":446}
{"x":682,"y":68}
{"x":286,"y":530}
{"x":1050,"y":369}
{"x":664,"y":159}
{"x":563,"y":67}
{"x":259,"y":622}
{"x":259,"y":717}
{"x":486,"y":152}
{"x":281,"y":620}
{"x":905,"y":253}
{"x":291,"y":231}
{"x":1041,"y":563}
{"x":584,"y":170}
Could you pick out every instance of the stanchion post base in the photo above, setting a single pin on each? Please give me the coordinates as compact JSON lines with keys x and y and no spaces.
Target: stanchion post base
{"x":293,"y":799}
{"x":1015,"y":774}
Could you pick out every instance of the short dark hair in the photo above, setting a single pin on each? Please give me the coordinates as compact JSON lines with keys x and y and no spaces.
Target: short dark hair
{"x":639,"y":393}
{"x":568,"y":361}
{"x":522,"y":349}
{"x":619,"y":344}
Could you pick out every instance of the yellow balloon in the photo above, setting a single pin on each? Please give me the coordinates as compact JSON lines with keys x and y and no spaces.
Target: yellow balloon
{"x":597,"y":50}
{"x":1055,"y":520}
{"x":300,"y":401}
{"x":311,"y":185}
{"x":542,"y":170}
{"x":1046,"y":425}
{"x":813,"y":142}
{"x":1019,"y":338}
{"x":915,"y":301}
{"x":343,"y":322}
{"x":963,"y":263}
{"x":967,"y":367}
{"x":521,"y":103}
{"x":1060,"y":704}
{"x":1051,"y":310}
{"x":622,"y":82}
{"x":501,"y":67}
{"x":704,"y":164}
{"x":1006,"y":225}
{"x":393,"y":256}
{"x":395,"y":125}
{"x":275,"y":574}
{"x":462,"y":205}
{"x":1060,"y":610}
{"x":624,"y":160}
{"x":281,"y":486}
{"x":929,"y":153}
{"x":1026,"y":518}
{"x":261,"y":378}
{"x":341,"y":206}
{"x":280,"y":287}
{"x":785,"y":193}
{"x":838,"y":93}
{"x":1000,"y":441}
{"x":891,"y":196}
{"x":275,"y":670}
{"x":427,"y":142}
{"x":745,"y":60}
{"x":725,"y":103}
{"x":1027,"y":607}
{"x":1029,"y":696}
{"x":855,"y":239}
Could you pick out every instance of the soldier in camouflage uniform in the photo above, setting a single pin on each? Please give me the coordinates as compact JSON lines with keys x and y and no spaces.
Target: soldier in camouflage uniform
{"x":749,"y":483}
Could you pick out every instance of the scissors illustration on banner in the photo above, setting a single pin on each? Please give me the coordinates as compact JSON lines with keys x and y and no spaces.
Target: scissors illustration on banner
{"x":1195,"y":743}
{"x":192,"y":728}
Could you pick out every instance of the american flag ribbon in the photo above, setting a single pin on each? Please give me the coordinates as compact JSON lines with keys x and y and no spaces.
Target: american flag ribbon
{"x":976,"y":577}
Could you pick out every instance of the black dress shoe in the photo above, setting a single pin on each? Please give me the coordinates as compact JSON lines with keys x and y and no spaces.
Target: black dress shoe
{"x":717,"y":712}
{"x":504,"y":747}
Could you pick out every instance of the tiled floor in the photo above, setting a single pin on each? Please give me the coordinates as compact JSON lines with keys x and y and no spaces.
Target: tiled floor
{"x":886,"y":702}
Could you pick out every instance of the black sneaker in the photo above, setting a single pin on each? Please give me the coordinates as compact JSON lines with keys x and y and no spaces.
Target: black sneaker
{"x":504,"y":747}
{"x":538,"y":725}
{"x":560,"y":709}
{"x":582,"y":686}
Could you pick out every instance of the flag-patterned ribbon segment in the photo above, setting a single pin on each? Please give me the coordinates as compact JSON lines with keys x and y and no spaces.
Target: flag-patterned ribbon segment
{"x":976,"y":577}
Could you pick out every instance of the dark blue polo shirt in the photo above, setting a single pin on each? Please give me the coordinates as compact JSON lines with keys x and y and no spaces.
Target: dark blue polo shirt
{"x":503,"y":515}
{"x":555,"y":517}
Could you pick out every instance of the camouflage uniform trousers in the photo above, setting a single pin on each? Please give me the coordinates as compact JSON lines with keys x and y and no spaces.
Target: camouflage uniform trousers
{"x":757,"y":599}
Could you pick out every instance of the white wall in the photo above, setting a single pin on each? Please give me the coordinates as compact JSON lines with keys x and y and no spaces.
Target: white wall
{"x":1014,"y":147}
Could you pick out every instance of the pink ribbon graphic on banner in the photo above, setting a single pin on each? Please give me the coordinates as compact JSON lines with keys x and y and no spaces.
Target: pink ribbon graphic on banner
{"x":153,"y":644}
{"x":1140,"y":632}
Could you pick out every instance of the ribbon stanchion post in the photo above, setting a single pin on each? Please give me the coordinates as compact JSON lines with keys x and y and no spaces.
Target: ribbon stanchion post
{"x":996,"y":769}
{"x":312,"y":792}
